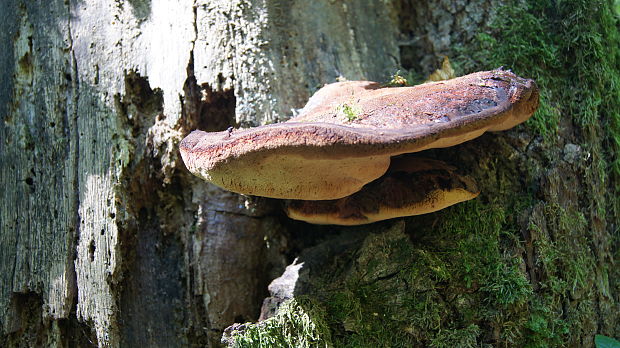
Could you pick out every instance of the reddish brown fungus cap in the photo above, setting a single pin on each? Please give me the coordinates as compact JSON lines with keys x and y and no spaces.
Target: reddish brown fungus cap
{"x":346,"y":134}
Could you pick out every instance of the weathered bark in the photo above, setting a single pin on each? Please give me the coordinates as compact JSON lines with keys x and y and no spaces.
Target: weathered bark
{"x":107,"y":241}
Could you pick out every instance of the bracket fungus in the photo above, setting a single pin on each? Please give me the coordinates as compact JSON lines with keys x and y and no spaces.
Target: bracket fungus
{"x":347,"y":133}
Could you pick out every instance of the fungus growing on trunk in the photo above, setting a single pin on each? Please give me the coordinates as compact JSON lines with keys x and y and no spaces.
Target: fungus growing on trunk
{"x":347,"y":133}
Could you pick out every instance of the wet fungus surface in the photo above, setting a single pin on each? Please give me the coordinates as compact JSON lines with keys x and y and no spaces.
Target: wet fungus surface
{"x":333,"y":152}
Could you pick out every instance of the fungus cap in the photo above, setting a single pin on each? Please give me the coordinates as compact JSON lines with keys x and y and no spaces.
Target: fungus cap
{"x":347,"y":132}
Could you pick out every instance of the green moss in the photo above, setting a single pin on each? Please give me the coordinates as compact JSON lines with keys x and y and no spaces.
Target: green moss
{"x":461,"y":278}
{"x":545,"y":327}
{"x":431,"y":293}
{"x":351,"y":112}
{"x":451,"y":284}
{"x":523,"y":43}
{"x":299,"y":323}
{"x":465,"y":338}
{"x":571,"y":49}
{"x":568,"y":265}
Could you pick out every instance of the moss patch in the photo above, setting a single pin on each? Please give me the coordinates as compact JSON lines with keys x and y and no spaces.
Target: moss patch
{"x":350,"y":111}
{"x":571,"y":49}
{"x":299,"y":323}
{"x":448,"y":287}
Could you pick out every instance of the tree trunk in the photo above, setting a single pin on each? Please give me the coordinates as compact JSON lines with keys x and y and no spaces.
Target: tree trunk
{"x":106,"y":240}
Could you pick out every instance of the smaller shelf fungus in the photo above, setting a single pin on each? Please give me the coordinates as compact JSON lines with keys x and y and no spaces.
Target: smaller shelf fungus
{"x":334,"y":160}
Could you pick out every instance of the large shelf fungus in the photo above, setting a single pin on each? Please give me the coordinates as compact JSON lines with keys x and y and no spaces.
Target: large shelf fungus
{"x":347,"y":133}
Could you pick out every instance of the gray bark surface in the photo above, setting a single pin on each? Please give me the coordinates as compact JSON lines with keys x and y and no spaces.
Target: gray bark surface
{"x":39,"y":161}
